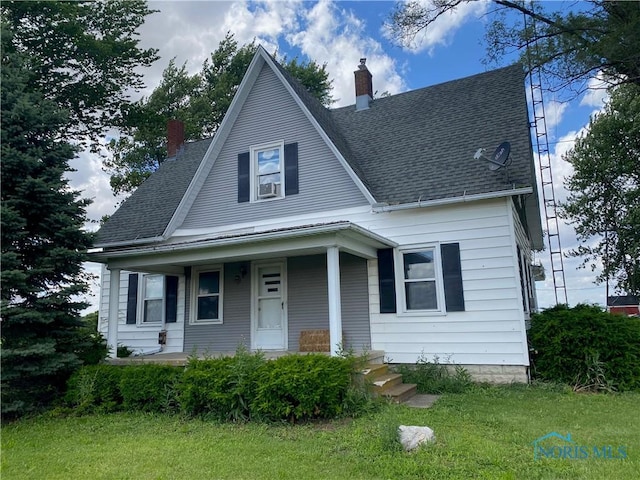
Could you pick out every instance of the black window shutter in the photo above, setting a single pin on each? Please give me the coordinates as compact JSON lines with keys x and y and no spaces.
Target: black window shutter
{"x":291,"y":169}
{"x":132,"y":298}
{"x":386,"y":281}
{"x":452,"y":273}
{"x":243,"y":177}
{"x":171,"y":300}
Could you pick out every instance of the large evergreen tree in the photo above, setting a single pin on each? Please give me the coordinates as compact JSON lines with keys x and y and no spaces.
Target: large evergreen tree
{"x":200,"y":101}
{"x":43,"y":246}
{"x":66,"y":71}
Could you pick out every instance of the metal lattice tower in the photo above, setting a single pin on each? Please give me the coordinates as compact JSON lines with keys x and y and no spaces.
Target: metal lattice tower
{"x":539,"y":127}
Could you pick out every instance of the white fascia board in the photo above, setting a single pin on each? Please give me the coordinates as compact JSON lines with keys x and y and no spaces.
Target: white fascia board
{"x":451,"y":200}
{"x":363,"y":189}
{"x":217,"y":143}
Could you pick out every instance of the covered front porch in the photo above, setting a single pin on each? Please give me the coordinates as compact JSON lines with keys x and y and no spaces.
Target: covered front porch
{"x":259,"y":289}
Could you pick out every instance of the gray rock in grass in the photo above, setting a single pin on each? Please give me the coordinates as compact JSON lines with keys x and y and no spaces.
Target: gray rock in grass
{"x":412,"y":437}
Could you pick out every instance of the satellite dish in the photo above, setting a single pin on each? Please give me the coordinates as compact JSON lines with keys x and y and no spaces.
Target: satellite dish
{"x":501,"y":156}
{"x":499,"y":159}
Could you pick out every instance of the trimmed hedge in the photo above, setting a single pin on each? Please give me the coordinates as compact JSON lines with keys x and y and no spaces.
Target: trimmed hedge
{"x":239,"y":388}
{"x":586,"y":347}
{"x":150,"y":387}
{"x":222,"y":387}
{"x":95,"y":388}
{"x":302,"y":387}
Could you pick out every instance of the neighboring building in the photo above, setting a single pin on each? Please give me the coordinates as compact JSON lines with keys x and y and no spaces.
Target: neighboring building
{"x":374,"y":222}
{"x":624,"y":304}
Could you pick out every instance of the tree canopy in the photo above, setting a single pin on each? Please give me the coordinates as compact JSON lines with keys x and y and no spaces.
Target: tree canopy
{"x":572,"y":46}
{"x":84,"y":56}
{"x":604,"y":200}
{"x":200,"y":101}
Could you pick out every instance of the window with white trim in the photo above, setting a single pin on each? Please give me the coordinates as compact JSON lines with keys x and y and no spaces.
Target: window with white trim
{"x":152,"y":299}
{"x":207,"y":296}
{"x":420,"y":280}
{"x":267,"y":163}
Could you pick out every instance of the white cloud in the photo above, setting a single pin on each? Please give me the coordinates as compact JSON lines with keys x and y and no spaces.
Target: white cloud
{"x":442,"y":30}
{"x":596,"y":94}
{"x":335,"y":36}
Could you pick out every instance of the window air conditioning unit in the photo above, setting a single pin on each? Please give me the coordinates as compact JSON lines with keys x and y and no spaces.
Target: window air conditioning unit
{"x":267,"y":190}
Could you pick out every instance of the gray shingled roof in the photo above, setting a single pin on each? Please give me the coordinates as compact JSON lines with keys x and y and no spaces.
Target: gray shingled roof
{"x":414,"y":146}
{"x":147,"y":212}
{"x":420,"y":144}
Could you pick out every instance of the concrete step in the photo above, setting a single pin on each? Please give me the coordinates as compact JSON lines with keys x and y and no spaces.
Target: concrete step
{"x":375,"y":357}
{"x":382,"y":383}
{"x":401,"y":393}
{"x":371,"y":370}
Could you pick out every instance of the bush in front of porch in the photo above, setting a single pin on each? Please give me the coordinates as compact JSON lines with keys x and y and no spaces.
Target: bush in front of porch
{"x":240,"y":388}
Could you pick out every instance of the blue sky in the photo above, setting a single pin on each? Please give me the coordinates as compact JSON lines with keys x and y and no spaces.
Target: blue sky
{"x":339,"y":34}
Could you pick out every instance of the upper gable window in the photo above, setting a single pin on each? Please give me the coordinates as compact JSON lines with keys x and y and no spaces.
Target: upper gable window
{"x":267,"y":162}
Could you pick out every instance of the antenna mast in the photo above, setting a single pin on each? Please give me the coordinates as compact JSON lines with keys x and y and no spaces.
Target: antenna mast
{"x":539,"y":125}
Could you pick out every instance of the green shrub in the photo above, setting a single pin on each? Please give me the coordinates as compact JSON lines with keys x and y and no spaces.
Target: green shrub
{"x":149,"y":387}
{"x":434,"y":377}
{"x":585,"y":346}
{"x":301,"y":387}
{"x":95,"y":388}
{"x":223,"y":387}
{"x":123,"y":351}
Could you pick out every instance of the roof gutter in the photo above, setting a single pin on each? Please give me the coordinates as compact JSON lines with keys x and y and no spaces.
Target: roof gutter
{"x":126,"y":243}
{"x":451,"y":200}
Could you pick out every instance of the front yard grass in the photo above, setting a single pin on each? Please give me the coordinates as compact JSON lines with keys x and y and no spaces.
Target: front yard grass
{"x":485,"y":433}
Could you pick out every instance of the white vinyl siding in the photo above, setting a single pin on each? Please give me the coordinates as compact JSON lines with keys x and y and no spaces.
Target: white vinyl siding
{"x":131,"y":335}
{"x":491,"y":329}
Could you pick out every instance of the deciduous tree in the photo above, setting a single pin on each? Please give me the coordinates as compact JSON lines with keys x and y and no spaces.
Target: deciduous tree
{"x":572,"y":46}
{"x":84,"y":56}
{"x":604,"y":200}
{"x":199,"y":100}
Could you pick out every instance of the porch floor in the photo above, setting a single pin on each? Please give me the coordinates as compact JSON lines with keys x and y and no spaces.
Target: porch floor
{"x":182,"y":358}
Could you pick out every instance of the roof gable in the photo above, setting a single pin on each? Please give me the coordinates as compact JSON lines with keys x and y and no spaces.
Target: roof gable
{"x":405,"y":149}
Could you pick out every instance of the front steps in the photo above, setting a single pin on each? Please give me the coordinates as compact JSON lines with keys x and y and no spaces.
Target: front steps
{"x":388,"y":384}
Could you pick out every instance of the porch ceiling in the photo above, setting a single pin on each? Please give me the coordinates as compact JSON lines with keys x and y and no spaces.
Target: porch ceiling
{"x":282,"y":242}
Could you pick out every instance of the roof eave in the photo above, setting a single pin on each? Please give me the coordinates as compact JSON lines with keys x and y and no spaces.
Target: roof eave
{"x":452,"y":200}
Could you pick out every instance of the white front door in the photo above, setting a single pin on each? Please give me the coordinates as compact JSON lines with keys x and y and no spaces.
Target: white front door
{"x":269,"y":307}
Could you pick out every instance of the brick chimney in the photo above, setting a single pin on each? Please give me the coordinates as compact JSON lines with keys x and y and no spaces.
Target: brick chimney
{"x":175,"y":137}
{"x":364,"y":86}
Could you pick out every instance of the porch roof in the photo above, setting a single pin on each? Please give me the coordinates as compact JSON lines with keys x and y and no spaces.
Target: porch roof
{"x":234,"y":246}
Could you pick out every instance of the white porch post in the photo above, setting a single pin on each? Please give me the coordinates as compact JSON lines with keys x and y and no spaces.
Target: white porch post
{"x":335,"y":309}
{"x":114,"y":305}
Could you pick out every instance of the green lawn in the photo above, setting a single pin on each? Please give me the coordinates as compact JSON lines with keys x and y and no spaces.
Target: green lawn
{"x":487,"y":433}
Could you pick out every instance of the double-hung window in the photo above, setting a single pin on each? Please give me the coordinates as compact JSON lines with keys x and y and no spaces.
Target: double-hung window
{"x":152,"y":299}
{"x":207,"y":297}
{"x":420,"y":280}
{"x":268,"y":171}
